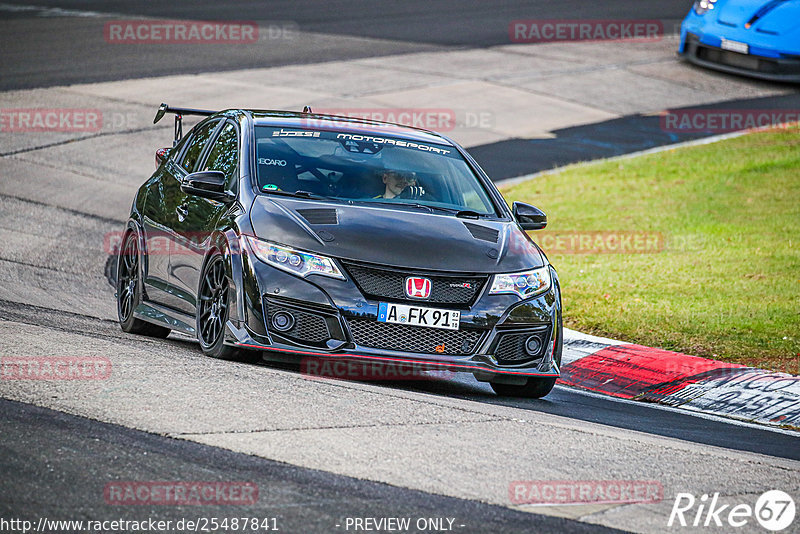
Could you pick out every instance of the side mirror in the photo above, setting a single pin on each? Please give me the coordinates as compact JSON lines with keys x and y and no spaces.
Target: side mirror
{"x":529,"y":217}
{"x":207,"y":184}
{"x":161,"y":155}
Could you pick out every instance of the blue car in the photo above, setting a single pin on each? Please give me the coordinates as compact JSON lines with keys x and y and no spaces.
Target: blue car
{"x":751,"y":37}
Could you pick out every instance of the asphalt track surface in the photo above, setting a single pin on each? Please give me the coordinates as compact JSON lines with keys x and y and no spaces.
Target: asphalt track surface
{"x":53,"y":464}
{"x":444,"y":22}
{"x":564,"y":401}
{"x":35,"y":44}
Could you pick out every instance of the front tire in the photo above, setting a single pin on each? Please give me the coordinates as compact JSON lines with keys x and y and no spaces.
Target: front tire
{"x":129,"y":291}
{"x":534,"y":388}
{"x":212,"y":310}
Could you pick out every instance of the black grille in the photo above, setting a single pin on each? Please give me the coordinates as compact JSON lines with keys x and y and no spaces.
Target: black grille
{"x":510,"y":347}
{"x":786,"y":65}
{"x":405,"y":338}
{"x":385,"y":284}
{"x":308,"y":327}
{"x":734,"y":59}
{"x":483,"y":233}
{"x":320,"y":215}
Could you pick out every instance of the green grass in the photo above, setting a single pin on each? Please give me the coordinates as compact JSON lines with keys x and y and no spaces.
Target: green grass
{"x":726,"y":284}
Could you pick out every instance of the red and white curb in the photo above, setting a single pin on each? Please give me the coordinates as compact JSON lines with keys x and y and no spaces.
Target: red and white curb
{"x":699,"y":384}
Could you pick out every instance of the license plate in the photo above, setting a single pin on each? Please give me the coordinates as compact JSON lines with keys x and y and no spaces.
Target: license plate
{"x":735,"y":46}
{"x":418,"y":316}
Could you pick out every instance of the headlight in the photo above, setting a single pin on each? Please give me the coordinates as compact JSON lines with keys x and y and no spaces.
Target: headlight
{"x":525,"y":284}
{"x":293,"y":261}
{"x":701,"y":7}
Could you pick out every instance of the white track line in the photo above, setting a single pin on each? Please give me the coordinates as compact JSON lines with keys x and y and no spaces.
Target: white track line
{"x":704,"y":141}
{"x":43,"y":11}
{"x":684,"y":411}
{"x":695,"y":142}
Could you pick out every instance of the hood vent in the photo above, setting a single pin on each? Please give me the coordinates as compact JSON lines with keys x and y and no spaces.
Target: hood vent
{"x":762,"y":12}
{"x":483,"y":233}
{"x":320,"y":216}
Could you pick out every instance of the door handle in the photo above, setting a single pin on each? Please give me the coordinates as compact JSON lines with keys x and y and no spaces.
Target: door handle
{"x":182,"y":212}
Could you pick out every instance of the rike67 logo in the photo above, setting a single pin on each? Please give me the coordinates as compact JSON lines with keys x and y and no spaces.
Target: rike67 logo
{"x":774,"y":510}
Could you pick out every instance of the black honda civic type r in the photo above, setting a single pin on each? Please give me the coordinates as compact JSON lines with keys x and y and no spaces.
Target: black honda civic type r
{"x":304,"y":235}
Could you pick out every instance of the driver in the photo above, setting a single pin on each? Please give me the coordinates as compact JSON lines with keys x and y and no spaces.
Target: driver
{"x":401,"y":185}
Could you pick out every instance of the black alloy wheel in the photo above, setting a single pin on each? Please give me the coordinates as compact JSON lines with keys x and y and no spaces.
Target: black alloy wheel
{"x":212,"y":310}
{"x":129,"y":291}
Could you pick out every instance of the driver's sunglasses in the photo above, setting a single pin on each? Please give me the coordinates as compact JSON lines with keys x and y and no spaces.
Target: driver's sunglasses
{"x":403,"y":178}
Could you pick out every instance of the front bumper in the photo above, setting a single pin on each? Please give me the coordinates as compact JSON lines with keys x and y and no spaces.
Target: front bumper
{"x":333,"y":319}
{"x":705,"y":50}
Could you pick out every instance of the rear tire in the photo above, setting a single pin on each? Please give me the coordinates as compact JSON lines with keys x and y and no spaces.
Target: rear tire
{"x":129,"y":291}
{"x":212,"y":311}
{"x":535,"y":388}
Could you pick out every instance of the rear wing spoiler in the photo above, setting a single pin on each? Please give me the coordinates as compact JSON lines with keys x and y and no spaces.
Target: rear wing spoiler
{"x":179,"y":113}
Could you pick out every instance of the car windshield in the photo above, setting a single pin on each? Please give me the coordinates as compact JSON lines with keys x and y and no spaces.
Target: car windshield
{"x":367,"y":168}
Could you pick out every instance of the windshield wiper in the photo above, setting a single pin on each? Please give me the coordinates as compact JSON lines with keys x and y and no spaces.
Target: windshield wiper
{"x":410,"y":204}
{"x":464,"y":214}
{"x":297,"y":194}
{"x":469,"y":214}
{"x":393,"y":203}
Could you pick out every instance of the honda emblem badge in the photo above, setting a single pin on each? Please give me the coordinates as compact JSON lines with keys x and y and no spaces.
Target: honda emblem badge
{"x":418,"y":288}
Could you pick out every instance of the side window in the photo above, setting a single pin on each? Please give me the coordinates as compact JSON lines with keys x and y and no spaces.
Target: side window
{"x":225,"y":155}
{"x":196,"y":145}
{"x":175,"y":151}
